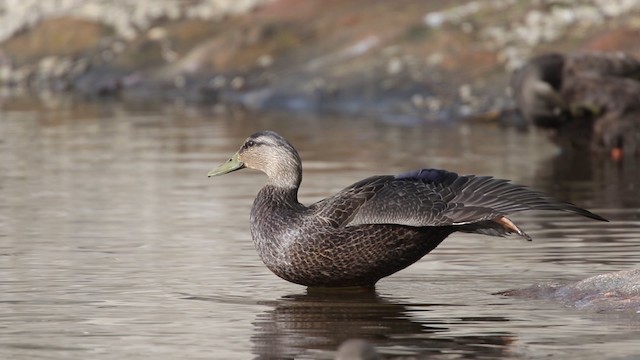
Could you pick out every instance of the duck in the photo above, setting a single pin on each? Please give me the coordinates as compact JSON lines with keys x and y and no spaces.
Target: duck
{"x":376,"y":226}
{"x":585,"y":100}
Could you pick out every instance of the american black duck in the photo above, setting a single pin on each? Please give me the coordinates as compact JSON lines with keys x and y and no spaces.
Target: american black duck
{"x":375,"y":227}
{"x":588,"y":100}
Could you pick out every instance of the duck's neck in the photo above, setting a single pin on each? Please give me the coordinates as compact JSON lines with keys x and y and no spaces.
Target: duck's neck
{"x":272,"y":197}
{"x":281,"y":190}
{"x":285,"y":175}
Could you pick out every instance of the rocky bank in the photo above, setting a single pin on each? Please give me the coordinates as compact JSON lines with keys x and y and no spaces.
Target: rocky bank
{"x":406,"y":59}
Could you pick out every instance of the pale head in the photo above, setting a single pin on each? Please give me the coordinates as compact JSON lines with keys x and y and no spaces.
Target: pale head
{"x":270,"y":153}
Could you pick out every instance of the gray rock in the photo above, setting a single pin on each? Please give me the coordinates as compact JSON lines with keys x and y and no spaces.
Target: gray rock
{"x":618,"y":291}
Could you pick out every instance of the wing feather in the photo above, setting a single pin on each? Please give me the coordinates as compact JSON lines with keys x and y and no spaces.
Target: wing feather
{"x":430,"y":197}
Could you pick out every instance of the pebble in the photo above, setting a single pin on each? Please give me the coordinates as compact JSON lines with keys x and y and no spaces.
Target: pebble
{"x":394,"y":66}
{"x":265,"y":61}
{"x":465,"y":93}
{"x":237,"y":83}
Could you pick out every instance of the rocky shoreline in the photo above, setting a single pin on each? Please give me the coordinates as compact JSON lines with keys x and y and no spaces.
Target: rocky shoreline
{"x":413,"y":60}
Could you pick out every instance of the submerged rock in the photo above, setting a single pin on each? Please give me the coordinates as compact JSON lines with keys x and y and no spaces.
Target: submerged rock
{"x":618,"y":291}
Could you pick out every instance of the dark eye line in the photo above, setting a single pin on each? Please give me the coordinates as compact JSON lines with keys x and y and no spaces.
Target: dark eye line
{"x":251,"y":143}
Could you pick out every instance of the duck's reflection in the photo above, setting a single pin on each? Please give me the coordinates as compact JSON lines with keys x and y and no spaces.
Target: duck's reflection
{"x":319,"y":321}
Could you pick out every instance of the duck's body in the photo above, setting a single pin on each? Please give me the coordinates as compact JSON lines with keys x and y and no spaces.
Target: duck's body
{"x":309,"y":246}
{"x":374,"y":227}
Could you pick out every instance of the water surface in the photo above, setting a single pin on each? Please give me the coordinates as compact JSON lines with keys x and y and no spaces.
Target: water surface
{"x":115,"y":245}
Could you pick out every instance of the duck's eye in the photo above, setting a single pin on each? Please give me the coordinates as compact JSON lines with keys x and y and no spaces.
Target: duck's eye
{"x":250,"y":143}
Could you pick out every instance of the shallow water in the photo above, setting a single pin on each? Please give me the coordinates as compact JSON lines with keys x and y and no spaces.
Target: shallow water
{"x":115,"y":245}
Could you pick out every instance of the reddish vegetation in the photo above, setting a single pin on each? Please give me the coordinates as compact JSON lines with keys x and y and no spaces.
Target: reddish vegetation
{"x":615,"y":40}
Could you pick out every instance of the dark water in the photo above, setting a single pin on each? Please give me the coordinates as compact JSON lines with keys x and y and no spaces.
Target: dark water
{"x":115,"y":245}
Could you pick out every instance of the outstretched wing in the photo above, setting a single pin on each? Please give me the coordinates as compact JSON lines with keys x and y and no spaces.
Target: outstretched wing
{"x":431,"y":197}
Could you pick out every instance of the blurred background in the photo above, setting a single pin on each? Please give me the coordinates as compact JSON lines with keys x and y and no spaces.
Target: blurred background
{"x":412,"y":59}
{"x":115,"y":245}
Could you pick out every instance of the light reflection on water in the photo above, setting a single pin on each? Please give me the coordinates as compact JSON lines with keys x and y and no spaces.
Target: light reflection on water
{"x":114,"y":244}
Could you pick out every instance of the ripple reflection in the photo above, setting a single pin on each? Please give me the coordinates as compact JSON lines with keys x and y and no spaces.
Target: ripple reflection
{"x":318,"y":321}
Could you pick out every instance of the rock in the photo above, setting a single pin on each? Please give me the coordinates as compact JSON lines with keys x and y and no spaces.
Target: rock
{"x":590,"y":102}
{"x":394,"y":66}
{"x":618,"y":291}
{"x":265,"y":61}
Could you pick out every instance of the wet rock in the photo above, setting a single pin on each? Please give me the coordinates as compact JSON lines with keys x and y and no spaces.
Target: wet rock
{"x":618,"y":291}
{"x":590,"y":101}
{"x":106,"y":82}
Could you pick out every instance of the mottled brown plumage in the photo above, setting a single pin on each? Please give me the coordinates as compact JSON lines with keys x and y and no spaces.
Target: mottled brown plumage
{"x":375,"y":227}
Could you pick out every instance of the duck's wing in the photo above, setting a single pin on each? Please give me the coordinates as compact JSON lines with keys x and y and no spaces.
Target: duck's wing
{"x":339,"y":209}
{"x":431,"y":197}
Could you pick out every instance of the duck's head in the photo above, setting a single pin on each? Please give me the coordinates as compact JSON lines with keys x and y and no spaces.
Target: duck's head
{"x":270,"y":153}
